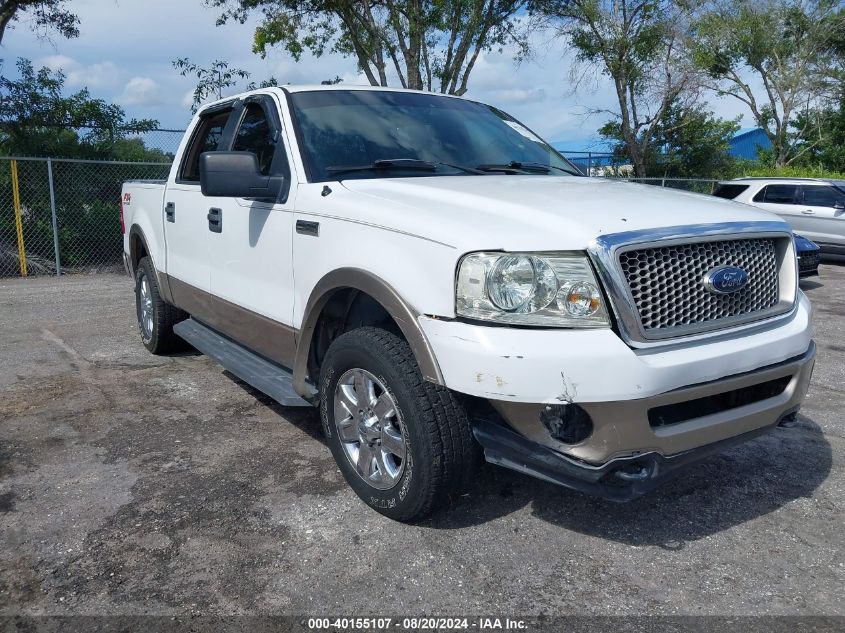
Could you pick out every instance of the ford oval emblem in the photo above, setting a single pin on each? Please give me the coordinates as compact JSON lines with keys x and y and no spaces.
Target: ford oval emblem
{"x":724,"y":280}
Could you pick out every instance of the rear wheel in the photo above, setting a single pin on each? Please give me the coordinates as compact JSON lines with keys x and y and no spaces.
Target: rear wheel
{"x":156,"y":317}
{"x":403,"y":444}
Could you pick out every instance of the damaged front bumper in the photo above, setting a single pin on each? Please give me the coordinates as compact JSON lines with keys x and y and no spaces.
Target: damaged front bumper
{"x":650,"y":438}
{"x":621,"y":479}
{"x":583,"y":409}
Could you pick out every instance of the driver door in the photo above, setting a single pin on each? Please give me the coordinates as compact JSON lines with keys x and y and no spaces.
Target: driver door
{"x":250,"y":243}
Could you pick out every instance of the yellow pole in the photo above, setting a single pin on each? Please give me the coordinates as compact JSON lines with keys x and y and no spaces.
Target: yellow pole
{"x":16,"y":201}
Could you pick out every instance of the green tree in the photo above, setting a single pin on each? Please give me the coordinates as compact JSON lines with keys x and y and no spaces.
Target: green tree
{"x":264,"y":83}
{"x":689,"y":142}
{"x":45,"y":15}
{"x":637,"y":45}
{"x":211,"y":81}
{"x":38,"y":119}
{"x":827,"y":150}
{"x":429,"y":44}
{"x":784,"y":46}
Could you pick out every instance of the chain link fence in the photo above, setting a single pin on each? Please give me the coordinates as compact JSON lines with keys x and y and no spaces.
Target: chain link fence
{"x":98,"y":143}
{"x":61,"y":216}
{"x":592,"y":163}
{"x":166,"y":141}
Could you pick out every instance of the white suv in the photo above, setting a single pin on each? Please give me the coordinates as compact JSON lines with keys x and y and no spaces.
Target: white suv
{"x":813,"y":207}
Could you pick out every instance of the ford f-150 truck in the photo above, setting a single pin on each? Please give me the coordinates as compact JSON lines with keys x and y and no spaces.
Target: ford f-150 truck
{"x":444,"y":285}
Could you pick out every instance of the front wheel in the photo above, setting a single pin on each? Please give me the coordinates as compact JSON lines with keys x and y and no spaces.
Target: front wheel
{"x":403,"y":444}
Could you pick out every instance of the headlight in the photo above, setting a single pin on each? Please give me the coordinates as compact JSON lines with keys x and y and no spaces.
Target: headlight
{"x":544,"y":289}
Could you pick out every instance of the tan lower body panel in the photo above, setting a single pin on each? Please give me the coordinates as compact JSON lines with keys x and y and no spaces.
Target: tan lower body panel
{"x":273,"y":340}
{"x":622,"y":428}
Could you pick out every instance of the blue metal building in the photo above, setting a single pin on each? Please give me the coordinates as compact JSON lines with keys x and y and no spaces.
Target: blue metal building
{"x":747,"y":143}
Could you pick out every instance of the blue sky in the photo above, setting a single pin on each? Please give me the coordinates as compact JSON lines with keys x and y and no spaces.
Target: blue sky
{"x":125,"y":50}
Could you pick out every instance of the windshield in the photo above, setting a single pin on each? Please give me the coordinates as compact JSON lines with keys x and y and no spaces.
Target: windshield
{"x":378,"y":134}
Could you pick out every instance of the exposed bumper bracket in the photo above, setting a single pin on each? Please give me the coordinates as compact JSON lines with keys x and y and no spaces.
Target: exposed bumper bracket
{"x":621,"y":479}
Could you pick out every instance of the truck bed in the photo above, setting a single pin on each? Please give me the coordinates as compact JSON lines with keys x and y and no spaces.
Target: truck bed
{"x":142,"y":203}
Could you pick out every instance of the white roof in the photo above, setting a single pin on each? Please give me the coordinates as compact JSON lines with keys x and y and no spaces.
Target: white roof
{"x":313,"y":87}
{"x":777,"y":179}
{"x":291,"y":88}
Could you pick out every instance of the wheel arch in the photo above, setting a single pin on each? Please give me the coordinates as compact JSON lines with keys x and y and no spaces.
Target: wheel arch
{"x":138,"y":249}
{"x":356,"y":280}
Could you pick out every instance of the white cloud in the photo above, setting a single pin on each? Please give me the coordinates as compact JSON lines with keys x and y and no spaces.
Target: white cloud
{"x":188,"y":99}
{"x":57,"y":62}
{"x":521,"y":95}
{"x":97,"y":75}
{"x":141,"y":91}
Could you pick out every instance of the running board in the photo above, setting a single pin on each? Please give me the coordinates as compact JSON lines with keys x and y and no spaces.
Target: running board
{"x":265,"y":376}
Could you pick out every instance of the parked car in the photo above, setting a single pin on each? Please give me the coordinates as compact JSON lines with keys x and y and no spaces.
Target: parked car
{"x":809,"y":256}
{"x":814,"y":207}
{"x":440,"y":282}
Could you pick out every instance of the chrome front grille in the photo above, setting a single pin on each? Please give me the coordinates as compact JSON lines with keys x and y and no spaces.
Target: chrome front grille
{"x":666,"y":283}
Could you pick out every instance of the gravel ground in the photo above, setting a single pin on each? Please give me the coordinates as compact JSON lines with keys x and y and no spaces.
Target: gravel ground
{"x":135,"y":484}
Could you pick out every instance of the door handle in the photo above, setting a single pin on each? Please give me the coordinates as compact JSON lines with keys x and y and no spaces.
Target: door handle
{"x":808,"y":212}
{"x":170,"y":211}
{"x":303,"y":227}
{"x":215,"y":220}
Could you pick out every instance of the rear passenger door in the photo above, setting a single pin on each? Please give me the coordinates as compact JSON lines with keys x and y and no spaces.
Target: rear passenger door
{"x":185,"y":223}
{"x":822,"y":214}
{"x":780,"y":199}
{"x":250,"y":243}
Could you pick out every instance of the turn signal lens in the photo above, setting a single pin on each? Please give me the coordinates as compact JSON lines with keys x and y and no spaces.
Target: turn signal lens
{"x":583,"y":299}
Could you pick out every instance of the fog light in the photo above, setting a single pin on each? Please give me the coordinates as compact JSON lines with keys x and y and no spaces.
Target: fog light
{"x":567,"y":423}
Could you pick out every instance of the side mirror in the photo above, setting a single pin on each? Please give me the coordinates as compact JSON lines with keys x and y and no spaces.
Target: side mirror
{"x":839,"y":204}
{"x":235,"y":175}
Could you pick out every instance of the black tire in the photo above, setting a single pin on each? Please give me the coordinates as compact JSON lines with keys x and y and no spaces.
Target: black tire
{"x":160,"y":339}
{"x":441,"y":451}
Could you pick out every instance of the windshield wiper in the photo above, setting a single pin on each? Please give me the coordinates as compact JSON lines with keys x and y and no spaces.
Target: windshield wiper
{"x":398,"y":164}
{"x":515,"y":166}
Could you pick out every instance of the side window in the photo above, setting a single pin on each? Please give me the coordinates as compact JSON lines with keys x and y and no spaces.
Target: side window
{"x":777,"y":194}
{"x":729,"y":192}
{"x":206,"y":138}
{"x":821,"y":196}
{"x":256,"y":135}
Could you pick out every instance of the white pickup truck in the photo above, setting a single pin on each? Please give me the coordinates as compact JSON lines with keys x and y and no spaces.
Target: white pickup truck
{"x":441,"y":283}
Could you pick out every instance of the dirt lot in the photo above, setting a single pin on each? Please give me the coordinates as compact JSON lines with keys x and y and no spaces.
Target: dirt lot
{"x":135,"y":484}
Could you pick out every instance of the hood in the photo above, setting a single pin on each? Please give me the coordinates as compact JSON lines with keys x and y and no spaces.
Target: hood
{"x":532,"y":213}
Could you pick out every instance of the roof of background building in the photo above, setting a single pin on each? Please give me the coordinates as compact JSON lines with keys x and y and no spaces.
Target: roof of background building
{"x":745,"y":144}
